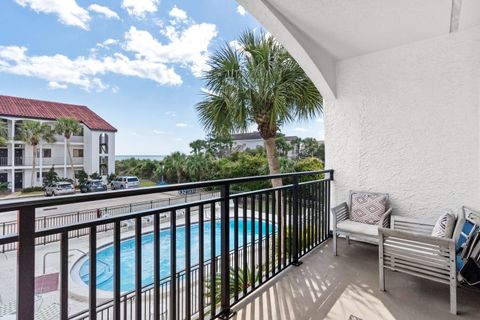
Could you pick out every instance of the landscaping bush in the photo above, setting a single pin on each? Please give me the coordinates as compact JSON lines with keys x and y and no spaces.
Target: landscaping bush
{"x":32,"y":189}
{"x":4,"y":187}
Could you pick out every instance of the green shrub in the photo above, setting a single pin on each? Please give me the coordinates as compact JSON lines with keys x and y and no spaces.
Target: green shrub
{"x":32,"y":189}
{"x":95,"y":176}
{"x":4,"y":187}
{"x":82,"y":177}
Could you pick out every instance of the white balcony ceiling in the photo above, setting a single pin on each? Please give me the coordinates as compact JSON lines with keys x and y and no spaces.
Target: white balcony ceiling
{"x":330,"y":30}
{"x":348,"y":28}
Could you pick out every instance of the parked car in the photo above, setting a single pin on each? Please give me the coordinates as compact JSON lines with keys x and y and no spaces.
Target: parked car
{"x":59,"y":188}
{"x":93,"y":186}
{"x":125,"y":183}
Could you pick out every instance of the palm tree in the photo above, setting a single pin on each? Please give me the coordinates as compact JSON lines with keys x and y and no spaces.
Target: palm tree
{"x":296,"y":144}
{"x":198,"y":146}
{"x":258,"y":84}
{"x":174,"y":164}
{"x":67,"y":127}
{"x":283,"y":147}
{"x":32,"y":132}
{"x":197,"y":166}
{"x":3,"y":133}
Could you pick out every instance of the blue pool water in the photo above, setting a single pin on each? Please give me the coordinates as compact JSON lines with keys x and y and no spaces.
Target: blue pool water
{"x":127,"y":265}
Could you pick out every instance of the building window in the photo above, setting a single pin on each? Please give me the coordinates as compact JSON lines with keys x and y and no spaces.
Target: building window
{"x":103,"y":168}
{"x":78,"y":153}
{"x":103,"y":143}
{"x":46,"y":153}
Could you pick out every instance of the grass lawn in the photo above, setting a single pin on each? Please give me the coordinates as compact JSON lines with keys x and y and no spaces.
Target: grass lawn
{"x":147,"y":183}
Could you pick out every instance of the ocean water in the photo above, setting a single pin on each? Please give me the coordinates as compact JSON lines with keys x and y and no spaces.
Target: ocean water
{"x":139,"y":157}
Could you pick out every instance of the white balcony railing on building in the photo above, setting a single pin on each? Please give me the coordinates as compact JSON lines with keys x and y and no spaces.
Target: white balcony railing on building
{"x":51,"y":161}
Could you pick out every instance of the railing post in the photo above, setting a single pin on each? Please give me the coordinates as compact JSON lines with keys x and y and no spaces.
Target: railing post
{"x":225,"y":311}
{"x":26,"y":264}
{"x":296,"y":207}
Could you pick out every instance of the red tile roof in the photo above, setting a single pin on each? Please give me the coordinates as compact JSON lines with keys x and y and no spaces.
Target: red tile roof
{"x":46,"y":110}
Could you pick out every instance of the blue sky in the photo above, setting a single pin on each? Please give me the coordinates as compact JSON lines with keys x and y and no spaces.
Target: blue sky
{"x":137,"y":63}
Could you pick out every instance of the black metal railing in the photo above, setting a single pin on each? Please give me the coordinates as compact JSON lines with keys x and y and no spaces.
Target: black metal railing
{"x":296,"y":220}
{"x":62,"y":219}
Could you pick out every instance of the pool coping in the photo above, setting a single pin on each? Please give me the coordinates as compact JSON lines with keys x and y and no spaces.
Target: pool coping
{"x":80,"y":290}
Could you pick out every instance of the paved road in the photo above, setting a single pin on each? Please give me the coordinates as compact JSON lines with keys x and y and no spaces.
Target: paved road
{"x":9,"y":216}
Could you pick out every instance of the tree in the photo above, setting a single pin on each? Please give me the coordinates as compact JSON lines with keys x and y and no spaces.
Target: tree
{"x":198,"y":166}
{"x":95,"y":176}
{"x":296,"y":144}
{"x":67,"y":127}
{"x":82,"y":177}
{"x":33,"y":132}
{"x":174,"y":164}
{"x":309,"y":164}
{"x":198,"y":146}
{"x":50,"y":177}
{"x":219,"y":146}
{"x":258,"y":84}
{"x":3,"y":133}
{"x":283,"y":147}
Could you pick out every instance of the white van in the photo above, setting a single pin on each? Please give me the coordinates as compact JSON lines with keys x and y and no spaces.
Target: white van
{"x":125,"y":183}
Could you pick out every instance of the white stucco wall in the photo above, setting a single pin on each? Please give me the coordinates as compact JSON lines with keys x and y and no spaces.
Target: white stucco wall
{"x":91,"y":152}
{"x":406,"y":121}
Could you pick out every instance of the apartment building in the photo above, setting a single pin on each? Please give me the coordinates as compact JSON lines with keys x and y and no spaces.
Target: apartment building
{"x":93,"y":150}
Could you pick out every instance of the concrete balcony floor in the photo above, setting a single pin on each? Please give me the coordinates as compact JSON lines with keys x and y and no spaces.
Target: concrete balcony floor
{"x":335,"y":288}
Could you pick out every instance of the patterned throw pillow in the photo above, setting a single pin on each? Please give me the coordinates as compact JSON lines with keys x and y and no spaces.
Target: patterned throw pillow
{"x":444,"y":226}
{"x":368,"y":208}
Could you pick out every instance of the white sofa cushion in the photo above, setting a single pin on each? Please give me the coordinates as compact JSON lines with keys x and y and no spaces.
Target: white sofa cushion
{"x":354,"y":227}
{"x":444,"y":226}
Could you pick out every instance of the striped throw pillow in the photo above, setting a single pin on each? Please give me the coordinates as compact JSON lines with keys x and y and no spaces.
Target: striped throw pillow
{"x":444,"y":226}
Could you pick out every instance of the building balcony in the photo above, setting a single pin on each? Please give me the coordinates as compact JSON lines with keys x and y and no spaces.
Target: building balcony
{"x":272,"y":260}
{"x":46,"y":162}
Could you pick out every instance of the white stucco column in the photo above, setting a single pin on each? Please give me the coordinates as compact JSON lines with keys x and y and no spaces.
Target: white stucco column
{"x":40,"y":162}
{"x":64,"y":157}
{"x":12,"y":155}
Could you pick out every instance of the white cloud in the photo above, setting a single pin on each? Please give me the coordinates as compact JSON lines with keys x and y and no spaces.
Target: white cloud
{"x":320,"y":120}
{"x":235,"y":44}
{"x":241,"y":10}
{"x":139,"y":8}
{"x":107,"y":43}
{"x":301,"y":130}
{"x":105,"y":11}
{"x":139,"y":55}
{"x":206,"y":91}
{"x":159,"y":131}
{"x":68,"y":11}
{"x":55,"y":85}
{"x":187,"y":46}
{"x":83,"y":71}
{"x":170,"y":114}
{"x":182,"y":125}
{"x":178,"y":14}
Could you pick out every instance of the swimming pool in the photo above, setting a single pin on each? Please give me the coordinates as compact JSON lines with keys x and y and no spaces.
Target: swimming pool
{"x":127,"y":249}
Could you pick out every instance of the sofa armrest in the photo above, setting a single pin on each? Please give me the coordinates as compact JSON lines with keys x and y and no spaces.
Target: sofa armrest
{"x":339,"y":213}
{"x":385,"y":219}
{"x":408,"y":224}
{"x":416,"y":239}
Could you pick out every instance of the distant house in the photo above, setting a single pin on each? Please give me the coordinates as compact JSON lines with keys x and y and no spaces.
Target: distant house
{"x":252,"y":140}
{"x":93,"y":150}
